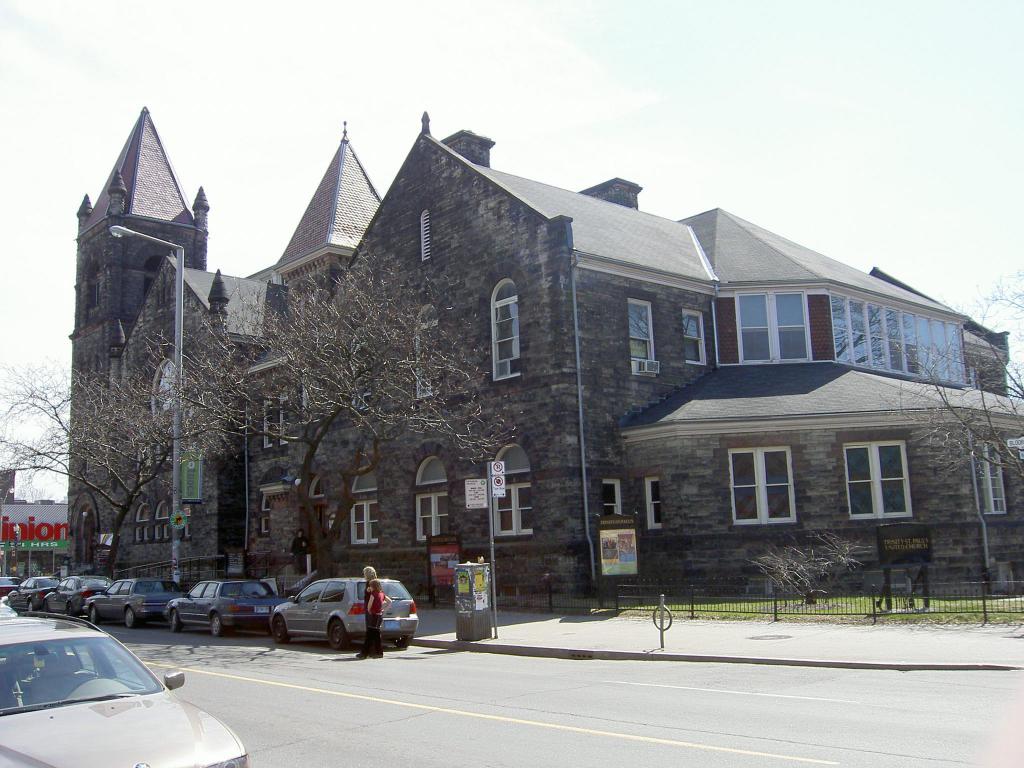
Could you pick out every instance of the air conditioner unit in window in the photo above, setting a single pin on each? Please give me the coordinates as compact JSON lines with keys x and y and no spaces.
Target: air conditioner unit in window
{"x":649,"y":367}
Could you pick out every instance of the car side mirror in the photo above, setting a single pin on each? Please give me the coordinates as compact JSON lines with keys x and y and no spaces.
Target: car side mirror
{"x":174,"y":680}
{"x":293,"y":598}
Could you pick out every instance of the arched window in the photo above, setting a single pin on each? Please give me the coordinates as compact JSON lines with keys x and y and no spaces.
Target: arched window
{"x":426,"y":320}
{"x":425,"y":235}
{"x":142,"y":514}
{"x":163,"y":387}
{"x":513,"y":511}
{"x":163,"y":511}
{"x":364,"y":510}
{"x":431,"y":499}
{"x":504,"y":329}
{"x":92,"y":287}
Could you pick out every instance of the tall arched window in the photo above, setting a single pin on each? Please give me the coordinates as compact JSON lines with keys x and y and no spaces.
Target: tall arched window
{"x":364,"y":511}
{"x":142,"y":515}
{"x":424,"y":235}
{"x":426,"y":320}
{"x":431,"y":499}
{"x":163,"y":386}
{"x":512,"y":513}
{"x":504,"y":329}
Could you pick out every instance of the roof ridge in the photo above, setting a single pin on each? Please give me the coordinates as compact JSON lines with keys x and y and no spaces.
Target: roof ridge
{"x":744,"y":225}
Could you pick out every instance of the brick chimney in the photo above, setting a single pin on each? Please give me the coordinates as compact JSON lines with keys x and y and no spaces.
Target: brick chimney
{"x":618,"y":191}
{"x":475,"y":148}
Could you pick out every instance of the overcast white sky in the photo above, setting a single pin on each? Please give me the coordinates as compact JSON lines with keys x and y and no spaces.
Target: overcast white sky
{"x":878,"y":133}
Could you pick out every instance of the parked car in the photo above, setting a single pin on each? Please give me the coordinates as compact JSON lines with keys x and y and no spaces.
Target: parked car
{"x":8,"y":584}
{"x":29,"y":595}
{"x":132,"y":601}
{"x":70,"y":595}
{"x":54,"y":670}
{"x":224,"y":605}
{"x":332,"y":609}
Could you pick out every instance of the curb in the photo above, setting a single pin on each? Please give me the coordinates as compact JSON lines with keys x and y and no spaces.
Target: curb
{"x":581,"y":654}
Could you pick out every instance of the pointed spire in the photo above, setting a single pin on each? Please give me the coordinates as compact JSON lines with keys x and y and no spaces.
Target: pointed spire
{"x":84,"y":211}
{"x":344,"y":130}
{"x":425,"y":123}
{"x":200,"y":208}
{"x":218,"y":297}
{"x":117,"y":193}
{"x":117,"y":339}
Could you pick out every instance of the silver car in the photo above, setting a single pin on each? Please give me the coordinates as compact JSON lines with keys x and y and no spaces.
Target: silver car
{"x":332,"y":610}
{"x":132,"y":601}
{"x":71,"y":696}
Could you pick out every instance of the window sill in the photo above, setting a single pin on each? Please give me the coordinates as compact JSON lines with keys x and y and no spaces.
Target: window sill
{"x":694,"y":362}
{"x":505,"y":378}
{"x":787,"y":521}
{"x":524,"y":534}
{"x":997,"y":513}
{"x":902,"y":515}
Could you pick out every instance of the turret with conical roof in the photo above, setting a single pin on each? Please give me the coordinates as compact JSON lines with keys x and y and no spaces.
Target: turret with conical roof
{"x":84,"y":211}
{"x":200,"y":208}
{"x":218,"y":297}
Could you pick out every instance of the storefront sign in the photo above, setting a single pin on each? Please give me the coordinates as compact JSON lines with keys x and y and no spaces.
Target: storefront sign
{"x":904,"y":544}
{"x":618,"y":545}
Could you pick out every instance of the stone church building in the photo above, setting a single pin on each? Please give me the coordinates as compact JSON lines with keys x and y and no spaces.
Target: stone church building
{"x":722,"y":388}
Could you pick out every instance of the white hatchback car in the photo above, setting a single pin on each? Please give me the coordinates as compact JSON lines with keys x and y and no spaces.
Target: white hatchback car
{"x":71,"y":696}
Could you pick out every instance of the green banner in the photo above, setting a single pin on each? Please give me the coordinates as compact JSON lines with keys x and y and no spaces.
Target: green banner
{"x":59,"y":544}
{"x":192,"y":477}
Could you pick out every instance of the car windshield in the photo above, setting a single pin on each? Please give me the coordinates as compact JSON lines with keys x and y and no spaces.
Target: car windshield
{"x":36,"y":583}
{"x":152,"y":587}
{"x":95,"y":582}
{"x":6,"y":581}
{"x":246,"y":589}
{"x":53,"y":673}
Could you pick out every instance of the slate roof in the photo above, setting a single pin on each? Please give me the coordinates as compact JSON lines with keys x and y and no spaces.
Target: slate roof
{"x":752,"y":392}
{"x":605,"y":229}
{"x":742,"y":252}
{"x":247,"y":299}
{"x":339,"y":211}
{"x":153,"y":188}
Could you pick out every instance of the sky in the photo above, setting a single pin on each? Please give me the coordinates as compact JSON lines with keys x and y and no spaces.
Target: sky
{"x":881,"y":134}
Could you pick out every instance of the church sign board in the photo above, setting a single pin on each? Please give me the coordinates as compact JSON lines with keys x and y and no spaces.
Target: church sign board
{"x":904,"y":544}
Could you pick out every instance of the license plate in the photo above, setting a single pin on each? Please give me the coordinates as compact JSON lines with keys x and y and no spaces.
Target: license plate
{"x":390,"y":624}
{"x":262,"y":609}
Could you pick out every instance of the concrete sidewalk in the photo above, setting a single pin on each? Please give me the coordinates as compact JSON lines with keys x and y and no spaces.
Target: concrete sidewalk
{"x":852,"y":646}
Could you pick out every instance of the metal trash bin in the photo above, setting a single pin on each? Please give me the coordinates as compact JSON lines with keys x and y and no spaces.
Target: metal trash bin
{"x":473,"y":601}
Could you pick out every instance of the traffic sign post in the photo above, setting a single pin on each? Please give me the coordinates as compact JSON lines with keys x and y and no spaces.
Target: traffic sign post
{"x":496,"y":489}
{"x":476,"y":493}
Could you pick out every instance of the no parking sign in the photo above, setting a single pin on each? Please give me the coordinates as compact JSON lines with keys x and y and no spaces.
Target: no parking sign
{"x":497,"y":473}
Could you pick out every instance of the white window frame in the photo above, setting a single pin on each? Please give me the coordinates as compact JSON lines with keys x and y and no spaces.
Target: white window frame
{"x":878,"y":509}
{"x":700,"y":339}
{"x":650,"y":329}
{"x":163,"y":511}
{"x":774,"y":344}
{"x":761,"y":486}
{"x":496,"y":363}
{"x":617,"y":485}
{"x":281,"y":401}
{"x":264,"y":525}
{"x":139,"y":516}
{"x":990,"y":476}
{"x":361,"y":513}
{"x":268,"y":440}
{"x":138,"y":534}
{"x":425,"y":244}
{"x":435,"y":518}
{"x":517,"y":529}
{"x":652,"y":522}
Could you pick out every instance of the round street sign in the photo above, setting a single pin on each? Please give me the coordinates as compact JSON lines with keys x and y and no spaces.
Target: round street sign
{"x":178,"y":520}
{"x":498,"y":481}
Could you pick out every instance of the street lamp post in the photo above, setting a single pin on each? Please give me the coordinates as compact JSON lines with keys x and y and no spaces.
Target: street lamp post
{"x":179,"y":299}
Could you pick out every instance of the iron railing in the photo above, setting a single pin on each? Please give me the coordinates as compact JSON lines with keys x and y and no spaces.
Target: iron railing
{"x":192,"y":569}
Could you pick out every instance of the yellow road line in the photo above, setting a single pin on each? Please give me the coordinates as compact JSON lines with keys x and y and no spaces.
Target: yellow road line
{"x":501,"y":718}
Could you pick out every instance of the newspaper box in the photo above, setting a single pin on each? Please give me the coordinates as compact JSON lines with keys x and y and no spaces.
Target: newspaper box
{"x":473,"y":601}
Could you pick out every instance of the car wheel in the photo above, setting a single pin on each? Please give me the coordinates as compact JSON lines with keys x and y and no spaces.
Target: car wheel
{"x":34,"y":604}
{"x":94,"y":614}
{"x":175,"y":622}
{"x":47,"y":605}
{"x":402,"y":642}
{"x":130,"y":619}
{"x":217,"y":628}
{"x":68,"y":609}
{"x":279,"y":630}
{"x":337,"y":635}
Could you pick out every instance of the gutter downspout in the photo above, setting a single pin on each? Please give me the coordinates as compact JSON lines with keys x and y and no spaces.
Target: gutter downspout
{"x":573,"y":263}
{"x":977,"y":499}
{"x":245,"y":454}
{"x":714,"y":323}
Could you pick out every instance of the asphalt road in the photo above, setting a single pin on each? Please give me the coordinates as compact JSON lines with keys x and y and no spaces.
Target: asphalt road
{"x":305,"y":705}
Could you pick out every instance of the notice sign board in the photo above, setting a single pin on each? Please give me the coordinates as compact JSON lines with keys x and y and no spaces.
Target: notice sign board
{"x":444,"y":554}
{"x":476,"y":493}
{"x":617,"y":534}
{"x":904,"y":544}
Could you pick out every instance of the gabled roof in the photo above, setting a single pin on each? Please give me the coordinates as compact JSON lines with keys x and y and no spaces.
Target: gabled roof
{"x":607,"y":230}
{"x":744,"y":253}
{"x":341,"y":208}
{"x":247,"y":299}
{"x":153,"y":188}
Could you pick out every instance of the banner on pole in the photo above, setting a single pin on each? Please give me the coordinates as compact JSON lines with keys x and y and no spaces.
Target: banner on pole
{"x":192,"y":478}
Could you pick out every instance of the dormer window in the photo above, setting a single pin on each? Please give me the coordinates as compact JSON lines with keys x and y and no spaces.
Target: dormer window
{"x":773,"y":327}
{"x":424,"y":235}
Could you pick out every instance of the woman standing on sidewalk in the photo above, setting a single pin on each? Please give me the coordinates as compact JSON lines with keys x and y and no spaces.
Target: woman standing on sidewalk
{"x":376,"y":602}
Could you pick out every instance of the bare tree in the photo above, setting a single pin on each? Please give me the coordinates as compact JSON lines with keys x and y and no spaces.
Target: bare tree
{"x":349,"y":364}
{"x":111,"y":435}
{"x":810,"y":568}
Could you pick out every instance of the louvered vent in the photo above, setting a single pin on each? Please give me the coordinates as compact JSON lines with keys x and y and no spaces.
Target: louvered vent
{"x":425,"y":235}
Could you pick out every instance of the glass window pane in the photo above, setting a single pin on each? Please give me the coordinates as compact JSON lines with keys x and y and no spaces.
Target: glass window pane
{"x":753,"y":312}
{"x":507,"y":291}
{"x":746,"y":503}
{"x":755,"y":345}
{"x":515,"y":460}
{"x":639,"y":349}
{"x":691,"y":350}
{"x":840,"y":331}
{"x":890,"y":462}
{"x":778,"y":502}
{"x":792,"y":344}
{"x":894,"y":501}
{"x":691,"y":326}
{"x":789,"y":308}
{"x":432,"y":471}
{"x":857,"y":465}
{"x":743,"y":469}
{"x":639,"y":325}
{"x":525,"y":494}
{"x":860,"y":499}
{"x":776,"y":468}
{"x":859,"y":330}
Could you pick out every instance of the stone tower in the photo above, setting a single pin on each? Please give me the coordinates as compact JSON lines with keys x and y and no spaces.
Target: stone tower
{"x":112,"y":274}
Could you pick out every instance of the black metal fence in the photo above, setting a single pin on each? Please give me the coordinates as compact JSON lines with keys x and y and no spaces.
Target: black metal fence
{"x":192,"y":569}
